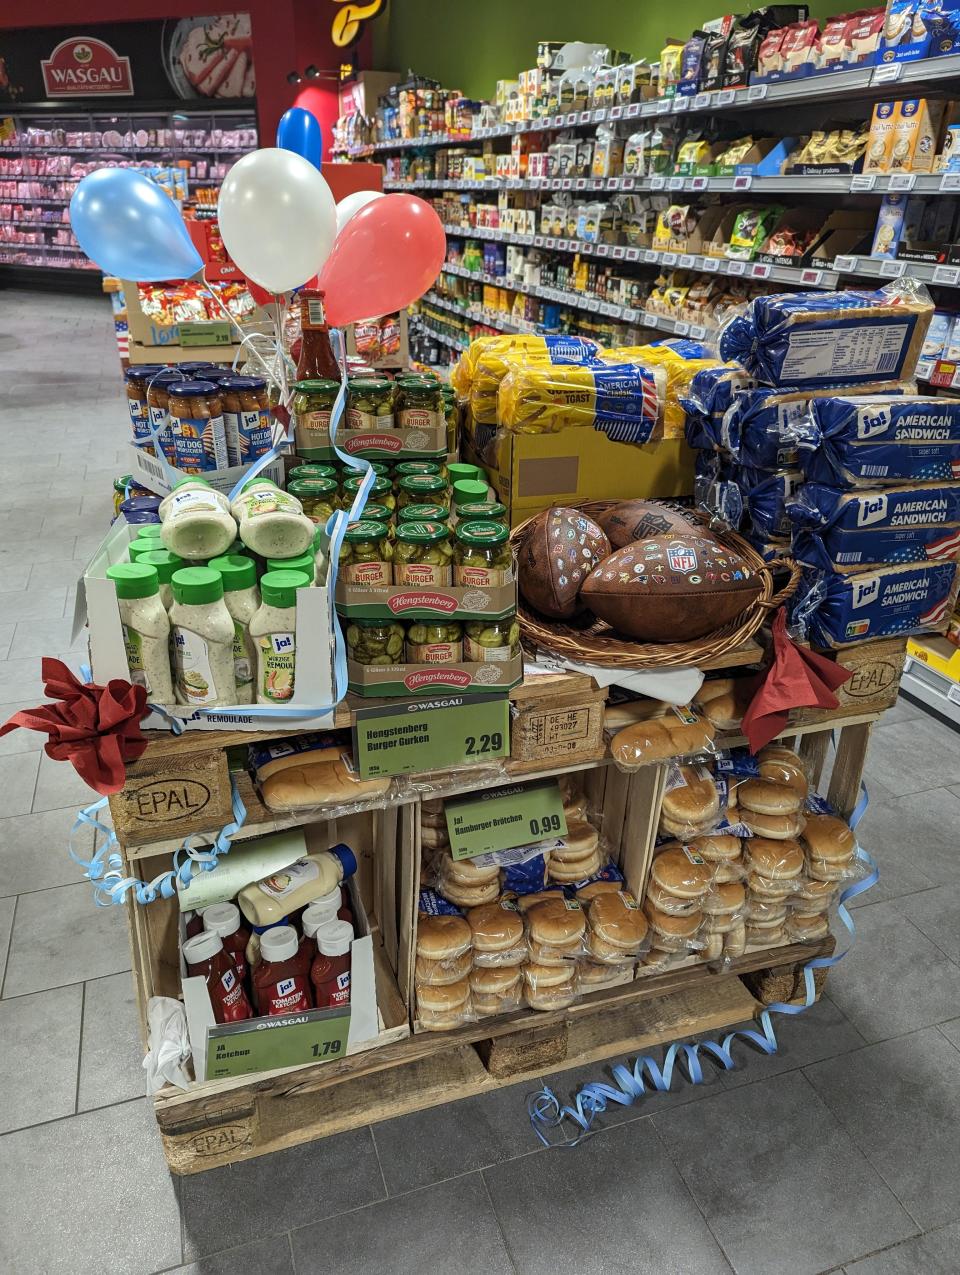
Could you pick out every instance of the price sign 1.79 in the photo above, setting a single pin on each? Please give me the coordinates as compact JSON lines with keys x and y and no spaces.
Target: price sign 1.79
{"x":501,"y":818}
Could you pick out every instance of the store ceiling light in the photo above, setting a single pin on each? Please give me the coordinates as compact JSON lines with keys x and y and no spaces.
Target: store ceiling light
{"x":312,"y":72}
{"x":294,"y":77}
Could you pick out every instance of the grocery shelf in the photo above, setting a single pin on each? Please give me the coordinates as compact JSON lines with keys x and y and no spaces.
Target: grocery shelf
{"x":782,"y":184}
{"x":420,"y":322}
{"x":807,"y":277}
{"x":824,"y":87}
{"x":893,"y":268}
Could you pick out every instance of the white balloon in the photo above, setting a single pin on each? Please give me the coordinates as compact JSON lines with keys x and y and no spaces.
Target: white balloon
{"x":350,"y":205}
{"x":277,"y":218}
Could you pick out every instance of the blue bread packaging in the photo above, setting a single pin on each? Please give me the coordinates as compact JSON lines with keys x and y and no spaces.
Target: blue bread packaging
{"x":766,"y":495}
{"x":836,"y":610}
{"x":712,"y":392}
{"x":852,"y":530}
{"x":879,"y":441}
{"x":806,"y":339}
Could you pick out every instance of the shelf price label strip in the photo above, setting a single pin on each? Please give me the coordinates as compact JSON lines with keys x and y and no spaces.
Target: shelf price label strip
{"x":576,"y":1120}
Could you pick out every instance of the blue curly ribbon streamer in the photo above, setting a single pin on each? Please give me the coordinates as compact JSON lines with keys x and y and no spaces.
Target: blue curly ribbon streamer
{"x":546,"y":1112}
{"x":105,"y":868}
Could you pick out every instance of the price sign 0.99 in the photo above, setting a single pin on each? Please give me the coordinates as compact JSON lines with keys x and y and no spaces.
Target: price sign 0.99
{"x":501,"y":818}
{"x":431,"y":734}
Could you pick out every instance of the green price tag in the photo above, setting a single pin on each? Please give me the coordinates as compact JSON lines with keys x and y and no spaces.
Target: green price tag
{"x":501,"y":818}
{"x":205,"y":333}
{"x":319,"y":1035}
{"x":430,"y":734}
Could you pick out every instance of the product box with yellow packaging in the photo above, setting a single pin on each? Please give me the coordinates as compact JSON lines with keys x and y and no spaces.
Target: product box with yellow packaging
{"x":880,"y":141}
{"x":914,"y":145}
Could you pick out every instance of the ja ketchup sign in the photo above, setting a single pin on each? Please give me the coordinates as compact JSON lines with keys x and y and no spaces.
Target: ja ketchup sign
{"x":85,"y":67}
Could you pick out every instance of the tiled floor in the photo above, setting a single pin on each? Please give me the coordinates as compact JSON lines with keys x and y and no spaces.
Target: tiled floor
{"x":840,"y":1152}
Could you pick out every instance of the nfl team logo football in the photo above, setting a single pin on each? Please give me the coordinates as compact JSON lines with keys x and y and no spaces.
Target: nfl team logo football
{"x":640,"y":519}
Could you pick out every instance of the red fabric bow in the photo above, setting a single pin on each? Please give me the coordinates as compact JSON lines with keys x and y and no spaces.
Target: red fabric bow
{"x":97,"y":728}
{"x":797,"y":678}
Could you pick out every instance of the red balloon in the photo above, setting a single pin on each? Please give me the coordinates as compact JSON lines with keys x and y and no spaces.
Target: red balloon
{"x":385,"y":257}
{"x":262,"y":296}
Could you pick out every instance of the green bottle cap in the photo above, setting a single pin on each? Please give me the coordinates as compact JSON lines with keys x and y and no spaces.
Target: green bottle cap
{"x":236,"y":571}
{"x":423,"y":486}
{"x":365,"y":530}
{"x":148,"y":531}
{"x":420,"y":513}
{"x":378,"y":513}
{"x":279,"y":588}
{"x":468,"y":489}
{"x":305,"y":562}
{"x":460,"y":471}
{"x":422,"y":533}
{"x":195,"y":585}
{"x":163,"y":562}
{"x":311,"y":471}
{"x":181,"y":481}
{"x":134,"y":580}
{"x":139,"y":547}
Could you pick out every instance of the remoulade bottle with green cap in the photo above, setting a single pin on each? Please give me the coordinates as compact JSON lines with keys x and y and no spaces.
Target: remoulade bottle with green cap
{"x":146,"y":628}
{"x":242,"y":599}
{"x":164,"y":563}
{"x":202,"y":639}
{"x":274,"y":631}
{"x":481,"y":555}
{"x":196,"y":521}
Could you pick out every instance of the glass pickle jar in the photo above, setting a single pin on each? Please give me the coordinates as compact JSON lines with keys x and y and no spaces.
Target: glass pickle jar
{"x":485,"y":510}
{"x":311,"y":470}
{"x":369,"y":404}
{"x":423,"y":489}
{"x":366,"y":554}
{"x":409,"y":468}
{"x":420,"y":404}
{"x":381,"y":492}
{"x":491,"y":640}
{"x":423,"y":513}
{"x":375,"y":641}
{"x":318,"y":496}
{"x":452,"y":416}
{"x":482,"y":556}
{"x":312,"y":404}
{"x":422,"y":554}
{"x":434,"y":642}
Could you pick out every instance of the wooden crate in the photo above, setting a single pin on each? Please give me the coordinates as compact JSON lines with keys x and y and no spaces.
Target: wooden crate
{"x":877,"y":670}
{"x":556,"y":718}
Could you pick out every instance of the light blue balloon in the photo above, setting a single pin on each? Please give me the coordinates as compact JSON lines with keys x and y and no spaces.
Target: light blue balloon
{"x":131,"y":228}
{"x":299,"y":131}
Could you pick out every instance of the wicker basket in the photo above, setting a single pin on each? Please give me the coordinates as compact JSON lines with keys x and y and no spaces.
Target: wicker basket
{"x":592,"y":641}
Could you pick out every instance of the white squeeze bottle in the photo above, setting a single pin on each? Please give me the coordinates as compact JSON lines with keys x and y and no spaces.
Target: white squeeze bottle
{"x":202,"y":639}
{"x":195,"y":520}
{"x":242,"y":599}
{"x":146,"y":628}
{"x":315,"y":875}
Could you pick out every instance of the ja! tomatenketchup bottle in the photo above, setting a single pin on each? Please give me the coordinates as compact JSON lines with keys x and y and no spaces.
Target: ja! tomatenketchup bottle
{"x":224,"y":919}
{"x":207,"y":959}
{"x":330,"y":972}
{"x":280,"y":983}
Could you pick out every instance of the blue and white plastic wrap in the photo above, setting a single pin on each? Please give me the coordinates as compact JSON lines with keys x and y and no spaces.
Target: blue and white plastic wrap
{"x":807,"y":339}
{"x":834,"y":528}
{"x":712,"y":392}
{"x":836,"y":610}
{"x":877,"y":440}
{"x":766,"y":495}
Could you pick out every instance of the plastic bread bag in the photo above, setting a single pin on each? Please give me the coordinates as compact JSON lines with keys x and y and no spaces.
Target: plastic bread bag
{"x":862,"y":529}
{"x":575,"y":804}
{"x":766,"y":495}
{"x":427,"y":783}
{"x":576,"y":855}
{"x":445,"y":1006}
{"x":836,"y":610}
{"x":830,"y":338}
{"x":466,"y":883}
{"x":679,"y":879}
{"x":623,"y":400}
{"x":499,"y":935}
{"x":496,"y":990}
{"x":799,"y":928}
{"x":617,"y":928}
{"x":522,"y":869}
{"x":444,"y":943}
{"x":556,"y":929}
{"x":773,"y":868}
{"x":723,"y":853}
{"x":691,"y":801}
{"x":462,"y":374}
{"x":680,"y":732}
{"x":813,"y":898}
{"x":496,"y":359}
{"x":547,"y":987}
{"x":710,"y":394}
{"x":723,"y":701}
{"x":597,"y":976}
{"x":680,"y":369}
{"x":830,"y":847}
{"x":723,"y":942}
{"x":312,"y":771}
{"x":674,"y":934}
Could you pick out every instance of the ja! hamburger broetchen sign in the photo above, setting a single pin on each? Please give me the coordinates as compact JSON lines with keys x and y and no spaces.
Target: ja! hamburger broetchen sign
{"x":85,"y":67}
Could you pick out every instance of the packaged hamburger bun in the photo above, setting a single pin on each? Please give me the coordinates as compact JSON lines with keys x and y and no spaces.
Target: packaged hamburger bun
{"x":617,"y":926}
{"x":495,"y":991}
{"x":440,"y":1008}
{"x":782,"y":765}
{"x":442,"y":938}
{"x":497,"y":932}
{"x":691,"y":802}
{"x":680,"y":871}
{"x":444,"y":971}
{"x":768,"y":797}
{"x":672,"y":933}
{"x":549,"y":987}
{"x":777,"y":827}
{"x":773,"y":859}
{"x":830,"y":848}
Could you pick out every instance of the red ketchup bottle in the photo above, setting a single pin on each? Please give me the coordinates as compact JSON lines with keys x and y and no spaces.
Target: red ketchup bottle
{"x":330,"y":972}
{"x":316,"y":917}
{"x":206,"y":958}
{"x":224,"y":919}
{"x":279,"y":982}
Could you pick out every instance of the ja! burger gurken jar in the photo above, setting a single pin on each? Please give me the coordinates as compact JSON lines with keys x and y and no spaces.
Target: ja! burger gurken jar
{"x":434,"y":642}
{"x":312,"y":405}
{"x":366,"y":554}
{"x":196,"y":421}
{"x":369,"y":404}
{"x":137,"y":379}
{"x":247,"y":419}
{"x":422,"y":554}
{"x":482,"y":555}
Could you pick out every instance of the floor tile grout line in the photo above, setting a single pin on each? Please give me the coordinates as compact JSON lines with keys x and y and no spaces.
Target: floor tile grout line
{"x":83,"y":1009}
{"x":496,"y":1217}
{"x":71,"y":1115}
{"x":293,"y":1256}
{"x":6,"y":958}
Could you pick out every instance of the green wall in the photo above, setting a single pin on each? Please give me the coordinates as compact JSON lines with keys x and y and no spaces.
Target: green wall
{"x":470,"y":46}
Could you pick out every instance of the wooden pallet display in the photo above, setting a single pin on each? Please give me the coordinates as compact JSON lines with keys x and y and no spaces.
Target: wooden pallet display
{"x":218,"y":1122}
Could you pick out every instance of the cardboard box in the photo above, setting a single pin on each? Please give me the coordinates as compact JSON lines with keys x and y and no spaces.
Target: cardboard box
{"x":150,"y":471}
{"x":425,"y":602}
{"x":392,"y":680}
{"x":360,"y":1021}
{"x":534,"y":471}
{"x":913,"y":148}
{"x":97,"y":608}
{"x":195,"y":341}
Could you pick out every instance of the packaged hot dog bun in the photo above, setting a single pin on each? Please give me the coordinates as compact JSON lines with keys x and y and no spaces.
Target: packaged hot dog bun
{"x":318,"y":783}
{"x":651,"y":741}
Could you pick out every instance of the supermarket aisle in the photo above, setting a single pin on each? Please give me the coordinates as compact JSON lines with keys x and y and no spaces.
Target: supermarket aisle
{"x":842,"y":1151}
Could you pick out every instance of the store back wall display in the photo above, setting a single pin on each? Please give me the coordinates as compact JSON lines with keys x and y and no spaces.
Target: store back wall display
{"x":188,"y":58}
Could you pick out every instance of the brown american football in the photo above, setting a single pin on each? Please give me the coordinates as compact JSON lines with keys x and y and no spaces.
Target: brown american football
{"x":640,"y":519}
{"x":561,"y":548}
{"x":671,"y":588}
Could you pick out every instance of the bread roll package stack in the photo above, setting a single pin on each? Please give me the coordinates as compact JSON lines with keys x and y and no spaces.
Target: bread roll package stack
{"x":771,"y":806}
{"x":830,"y":859}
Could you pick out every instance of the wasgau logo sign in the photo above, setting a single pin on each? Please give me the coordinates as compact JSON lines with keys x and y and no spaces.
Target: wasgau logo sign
{"x":85,"y":67}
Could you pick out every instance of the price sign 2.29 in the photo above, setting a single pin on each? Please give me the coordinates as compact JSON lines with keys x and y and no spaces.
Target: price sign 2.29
{"x":486,"y":745}
{"x":501,"y":818}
